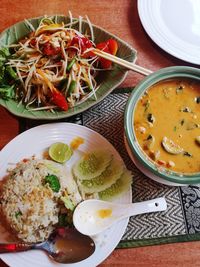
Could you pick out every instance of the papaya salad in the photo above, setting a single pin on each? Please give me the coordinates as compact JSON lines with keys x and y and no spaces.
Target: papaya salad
{"x":53,"y":68}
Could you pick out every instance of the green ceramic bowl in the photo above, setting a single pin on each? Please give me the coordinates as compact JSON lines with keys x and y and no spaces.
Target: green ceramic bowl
{"x":140,"y":159}
{"x":108,"y":80}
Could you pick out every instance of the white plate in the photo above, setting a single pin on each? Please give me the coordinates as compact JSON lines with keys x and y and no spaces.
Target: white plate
{"x":35,"y":141}
{"x":174,"y":25}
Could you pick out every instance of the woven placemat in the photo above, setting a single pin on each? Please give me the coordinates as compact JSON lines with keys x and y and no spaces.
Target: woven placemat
{"x":181,"y":221}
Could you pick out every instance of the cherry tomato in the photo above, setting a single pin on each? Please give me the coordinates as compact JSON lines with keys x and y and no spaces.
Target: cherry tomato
{"x":105,"y":64}
{"x":110,"y":46}
{"x":103,"y":46}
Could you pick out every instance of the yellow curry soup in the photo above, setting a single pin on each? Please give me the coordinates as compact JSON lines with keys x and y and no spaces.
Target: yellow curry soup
{"x":167,"y":124}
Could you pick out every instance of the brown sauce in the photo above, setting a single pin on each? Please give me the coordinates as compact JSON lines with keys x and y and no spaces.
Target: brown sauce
{"x":73,"y":246}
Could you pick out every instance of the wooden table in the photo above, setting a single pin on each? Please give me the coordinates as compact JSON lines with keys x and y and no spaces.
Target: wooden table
{"x":120,"y":17}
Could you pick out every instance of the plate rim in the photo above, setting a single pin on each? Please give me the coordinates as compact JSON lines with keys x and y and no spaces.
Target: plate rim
{"x":145,"y":12}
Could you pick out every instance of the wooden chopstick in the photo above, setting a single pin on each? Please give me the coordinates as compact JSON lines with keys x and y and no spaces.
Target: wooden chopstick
{"x":122,"y":62}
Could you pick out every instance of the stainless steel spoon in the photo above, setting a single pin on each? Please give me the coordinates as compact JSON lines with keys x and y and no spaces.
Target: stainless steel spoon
{"x":64,"y":246}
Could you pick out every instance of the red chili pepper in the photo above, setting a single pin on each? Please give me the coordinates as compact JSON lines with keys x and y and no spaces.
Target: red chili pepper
{"x":50,"y":50}
{"x":111,"y":47}
{"x":59,"y":100}
{"x":56,"y":96}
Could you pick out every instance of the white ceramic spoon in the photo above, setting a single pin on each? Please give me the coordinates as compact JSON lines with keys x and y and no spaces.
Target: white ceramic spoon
{"x":94,"y":216}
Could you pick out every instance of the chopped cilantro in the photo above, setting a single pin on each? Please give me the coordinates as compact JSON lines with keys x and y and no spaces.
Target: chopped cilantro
{"x":18,"y":213}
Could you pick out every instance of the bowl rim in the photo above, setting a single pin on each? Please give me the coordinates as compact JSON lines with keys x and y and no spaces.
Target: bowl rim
{"x":138,"y":91}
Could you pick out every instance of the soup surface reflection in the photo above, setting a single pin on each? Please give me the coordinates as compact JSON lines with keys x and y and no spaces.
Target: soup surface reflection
{"x":167,"y":124}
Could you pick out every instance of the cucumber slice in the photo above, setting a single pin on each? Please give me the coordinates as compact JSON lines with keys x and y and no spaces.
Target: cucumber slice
{"x":92,"y":165}
{"x":108,"y":177}
{"x":120,"y":187}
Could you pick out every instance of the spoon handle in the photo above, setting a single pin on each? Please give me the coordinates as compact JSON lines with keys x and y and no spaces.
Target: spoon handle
{"x":153,"y":205}
{"x":14,"y":247}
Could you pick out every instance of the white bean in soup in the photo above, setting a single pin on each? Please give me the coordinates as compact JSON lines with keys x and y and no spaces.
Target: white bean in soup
{"x":167,"y":124}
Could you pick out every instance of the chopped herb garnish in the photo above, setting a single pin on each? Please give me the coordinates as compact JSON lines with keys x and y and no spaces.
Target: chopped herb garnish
{"x":175,"y":128}
{"x":71,"y":64}
{"x":72,"y":87}
{"x":149,"y":137}
{"x":65,"y":219}
{"x":18,"y":213}
{"x":197,"y":100}
{"x":146,"y":105}
{"x":186,"y":109}
{"x":11,"y":72}
{"x":187,"y":154}
{"x":62,"y":220}
{"x":179,"y":89}
{"x":7,"y":92}
{"x":53,"y":182}
{"x":7,"y":88}
{"x":150,"y":118}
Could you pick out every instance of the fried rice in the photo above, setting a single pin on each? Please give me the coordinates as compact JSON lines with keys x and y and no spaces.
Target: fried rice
{"x":29,"y":205}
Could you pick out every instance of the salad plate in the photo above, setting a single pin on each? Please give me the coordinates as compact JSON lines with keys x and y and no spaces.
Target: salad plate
{"x":106,"y":80}
{"x":35,"y":142}
{"x":174,"y":26}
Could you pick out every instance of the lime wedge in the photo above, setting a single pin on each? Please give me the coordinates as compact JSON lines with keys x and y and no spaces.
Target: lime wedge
{"x":171,"y":147}
{"x":60,"y":152}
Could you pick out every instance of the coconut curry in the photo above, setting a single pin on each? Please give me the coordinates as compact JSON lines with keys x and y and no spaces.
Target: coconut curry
{"x":167,"y":124}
